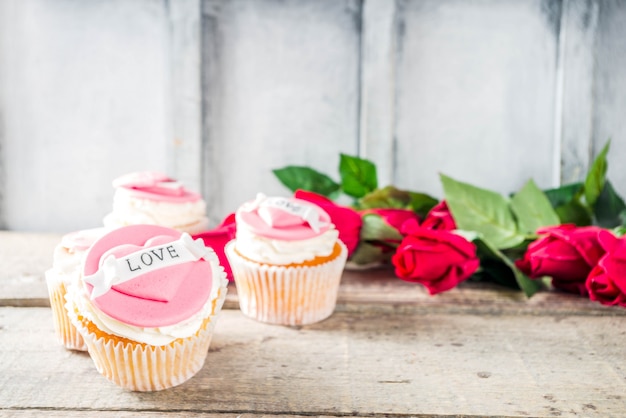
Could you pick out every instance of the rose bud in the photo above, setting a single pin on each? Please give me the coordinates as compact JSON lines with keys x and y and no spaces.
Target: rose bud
{"x":606,"y":282}
{"x":217,"y":238}
{"x":346,"y":220}
{"x":437,"y":259}
{"x":566,"y":253}
{"x":439,"y":217}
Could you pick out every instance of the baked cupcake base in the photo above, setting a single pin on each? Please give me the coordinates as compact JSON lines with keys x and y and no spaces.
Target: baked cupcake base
{"x":297,"y":294}
{"x":143,"y":367}
{"x":66,"y":332}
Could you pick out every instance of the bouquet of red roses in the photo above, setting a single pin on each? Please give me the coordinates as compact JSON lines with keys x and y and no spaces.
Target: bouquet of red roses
{"x":569,"y":237}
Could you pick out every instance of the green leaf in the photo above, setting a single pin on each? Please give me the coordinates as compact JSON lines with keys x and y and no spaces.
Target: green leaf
{"x":609,"y":207}
{"x":574,"y":212}
{"x":533,"y":209}
{"x":391,"y":197}
{"x":495,"y":271}
{"x":594,"y":182}
{"x":564,"y":194}
{"x":528,"y":286}
{"x":483,"y":211}
{"x":567,"y":203}
{"x":367,"y":253}
{"x":358,"y":176}
{"x":388,"y":197}
{"x":422,"y":203}
{"x":374,"y":228}
{"x":297,"y":177}
{"x":620,"y":231}
{"x":488,"y":252}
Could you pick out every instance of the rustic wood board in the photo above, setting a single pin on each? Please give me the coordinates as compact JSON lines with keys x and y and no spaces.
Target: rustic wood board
{"x":280,"y":87}
{"x":494,"y":106}
{"x":363,"y":364}
{"x":24,"y":258}
{"x":610,"y":90}
{"x":125,"y":54}
{"x":121,"y":414}
{"x":217,"y":93}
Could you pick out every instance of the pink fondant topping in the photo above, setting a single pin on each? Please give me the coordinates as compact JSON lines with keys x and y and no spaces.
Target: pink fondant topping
{"x":153,"y":185}
{"x":139,"y":275}
{"x":284,"y":218}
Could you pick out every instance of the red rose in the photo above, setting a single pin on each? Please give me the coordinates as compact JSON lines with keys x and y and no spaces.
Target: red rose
{"x":439,"y":217}
{"x":218,"y":238}
{"x":346,"y":220}
{"x":566,"y":253}
{"x":435,"y":258}
{"x":606,"y":282}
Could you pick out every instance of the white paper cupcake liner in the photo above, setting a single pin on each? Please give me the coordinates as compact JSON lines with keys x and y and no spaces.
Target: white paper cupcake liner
{"x":282,"y":295}
{"x":143,"y":367}
{"x":66,"y":332}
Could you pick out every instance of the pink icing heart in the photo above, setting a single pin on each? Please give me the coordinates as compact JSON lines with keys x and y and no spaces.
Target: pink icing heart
{"x":164,"y":297}
{"x":161,"y":285}
{"x":155,"y":186}
{"x":283,"y":225}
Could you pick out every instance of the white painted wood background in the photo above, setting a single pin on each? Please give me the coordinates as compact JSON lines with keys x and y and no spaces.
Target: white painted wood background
{"x":217,"y":93}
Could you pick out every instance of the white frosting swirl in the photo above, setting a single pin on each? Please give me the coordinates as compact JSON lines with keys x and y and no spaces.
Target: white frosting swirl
{"x":274,"y":251}
{"x":68,"y":256}
{"x":132,"y":210}
{"x":153,"y":336}
{"x":66,"y":264}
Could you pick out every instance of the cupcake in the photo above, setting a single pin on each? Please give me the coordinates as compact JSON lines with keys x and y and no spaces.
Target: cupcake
{"x":147,"y":305}
{"x":152,"y":198}
{"x":66,"y":263}
{"x":286,"y":261}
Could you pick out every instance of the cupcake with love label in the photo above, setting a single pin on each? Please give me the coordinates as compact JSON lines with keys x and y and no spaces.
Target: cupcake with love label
{"x":287,"y":261}
{"x":153,"y":198}
{"x":66,"y":263}
{"x":147,"y":305}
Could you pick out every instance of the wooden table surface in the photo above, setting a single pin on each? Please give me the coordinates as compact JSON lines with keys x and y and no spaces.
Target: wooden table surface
{"x":388,"y":350}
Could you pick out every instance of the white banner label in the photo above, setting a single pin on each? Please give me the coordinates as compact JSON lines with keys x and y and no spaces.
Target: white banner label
{"x":307,"y":213}
{"x":114,"y":271}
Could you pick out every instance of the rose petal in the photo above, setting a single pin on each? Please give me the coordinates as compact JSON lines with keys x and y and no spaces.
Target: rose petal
{"x":347,"y":221}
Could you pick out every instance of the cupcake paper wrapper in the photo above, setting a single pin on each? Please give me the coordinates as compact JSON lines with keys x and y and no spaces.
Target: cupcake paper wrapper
{"x":286,"y":295}
{"x":66,"y":332}
{"x":143,"y":367}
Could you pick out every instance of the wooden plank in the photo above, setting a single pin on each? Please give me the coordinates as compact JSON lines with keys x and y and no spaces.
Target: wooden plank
{"x":381,"y":291}
{"x":6,"y":32}
{"x":576,"y":68}
{"x":610,"y":89}
{"x":282,"y":88}
{"x":24,"y":258}
{"x":377,"y":117}
{"x":475,"y":93}
{"x":370,"y":364}
{"x":185,"y":142}
{"x":121,"y":414}
{"x":89,"y":90}
{"x":20,"y":413}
